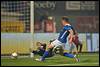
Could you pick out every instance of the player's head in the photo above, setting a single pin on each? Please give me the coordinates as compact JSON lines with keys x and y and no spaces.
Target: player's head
{"x":64,"y":20}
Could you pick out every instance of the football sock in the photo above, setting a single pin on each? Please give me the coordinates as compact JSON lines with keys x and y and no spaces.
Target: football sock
{"x":68,"y":55}
{"x":46,"y":54}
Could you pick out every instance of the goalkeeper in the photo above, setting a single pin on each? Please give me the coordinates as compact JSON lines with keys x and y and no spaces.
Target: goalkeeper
{"x":41,"y":47}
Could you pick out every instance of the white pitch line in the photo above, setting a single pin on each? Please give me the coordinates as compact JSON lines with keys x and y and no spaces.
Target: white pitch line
{"x":88,"y":55}
{"x":71,"y":64}
{"x":29,"y":57}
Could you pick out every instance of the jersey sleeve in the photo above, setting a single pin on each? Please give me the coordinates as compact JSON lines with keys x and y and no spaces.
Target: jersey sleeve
{"x":67,"y":28}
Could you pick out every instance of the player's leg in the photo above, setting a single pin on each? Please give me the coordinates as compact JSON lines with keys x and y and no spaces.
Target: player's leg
{"x":71,"y":48}
{"x":77,"y":46}
{"x":46,"y":53}
{"x":70,"y":56}
{"x":80,"y":44}
{"x":62,"y":53}
{"x":75,"y":50}
{"x":50,"y":47}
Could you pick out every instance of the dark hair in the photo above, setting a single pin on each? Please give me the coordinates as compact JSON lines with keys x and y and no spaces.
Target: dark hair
{"x":65,"y":18}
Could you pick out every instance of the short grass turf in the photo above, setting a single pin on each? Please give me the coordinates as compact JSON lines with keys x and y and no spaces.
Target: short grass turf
{"x":86,"y":59}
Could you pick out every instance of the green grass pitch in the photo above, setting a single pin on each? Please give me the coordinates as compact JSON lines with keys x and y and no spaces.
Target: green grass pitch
{"x":86,"y":59}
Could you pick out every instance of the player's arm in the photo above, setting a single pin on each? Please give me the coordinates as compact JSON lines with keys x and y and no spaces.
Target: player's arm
{"x":69,"y":29}
{"x":70,"y":36}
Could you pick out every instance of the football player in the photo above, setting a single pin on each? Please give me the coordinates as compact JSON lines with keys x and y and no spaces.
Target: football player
{"x":61,"y":40}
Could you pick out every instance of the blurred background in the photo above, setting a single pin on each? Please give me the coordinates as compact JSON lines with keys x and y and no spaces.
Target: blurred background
{"x":18,"y":35}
